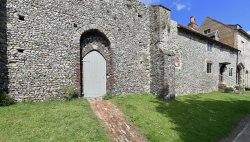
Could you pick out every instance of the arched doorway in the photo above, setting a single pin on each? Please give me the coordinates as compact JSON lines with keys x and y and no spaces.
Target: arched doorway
{"x":94,"y":74}
{"x":223,"y":67}
{"x":240,"y":74}
{"x":96,"y":71}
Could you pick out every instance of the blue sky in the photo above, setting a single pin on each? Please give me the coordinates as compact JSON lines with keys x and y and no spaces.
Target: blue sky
{"x":226,"y":11}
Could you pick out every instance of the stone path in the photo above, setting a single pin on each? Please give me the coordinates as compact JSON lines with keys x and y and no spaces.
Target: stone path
{"x":244,"y":135}
{"x":241,"y":133}
{"x":119,"y":128}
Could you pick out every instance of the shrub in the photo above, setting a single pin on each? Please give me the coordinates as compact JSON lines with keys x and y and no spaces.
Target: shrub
{"x":107,"y":96}
{"x":5,"y":99}
{"x":69,"y":92}
{"x":228,"y":90}
{"x":237,"y":87}
{"x":247,"y":89}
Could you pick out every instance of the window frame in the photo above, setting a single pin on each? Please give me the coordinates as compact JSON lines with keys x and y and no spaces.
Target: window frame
{"x":207,"y":31}
{"x":230,"y":71}
{"x":210,"y":47}
{"x":209,"y":67}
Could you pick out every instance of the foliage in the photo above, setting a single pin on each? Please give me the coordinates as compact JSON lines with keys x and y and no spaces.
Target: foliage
{"x":229,"y":90}
{"x":107,"y":96}
{"x":237,"y":87}
{"x":5,"y":99}
{"x":69,"y":92}
{"x":62,"y":121}
{"x":195,"y":118}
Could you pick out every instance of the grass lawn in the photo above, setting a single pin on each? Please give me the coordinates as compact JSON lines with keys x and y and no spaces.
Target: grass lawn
{"x":50,"y":121}
{"x":196,"y":118}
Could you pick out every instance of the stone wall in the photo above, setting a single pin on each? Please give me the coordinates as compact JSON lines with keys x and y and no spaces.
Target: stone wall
{"x":144,"y":49}
{"x":44,"y":44}
{"x":244,"y":56}
{"x":3,"y":47}
{"x":191,"y":75}
{"x":160,"y":21}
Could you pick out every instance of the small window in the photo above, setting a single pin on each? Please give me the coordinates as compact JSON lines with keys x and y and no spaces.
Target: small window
{"x":208,"y":31}
{"x":209,"y":67}
{"x":210,"y":47}
{"x":231,"y":72}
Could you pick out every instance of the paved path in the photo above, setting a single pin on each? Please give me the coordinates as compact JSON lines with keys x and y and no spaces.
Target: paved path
{"x":241,"y":133}
{"x":244,"y":135}
{"x":117,"y":125}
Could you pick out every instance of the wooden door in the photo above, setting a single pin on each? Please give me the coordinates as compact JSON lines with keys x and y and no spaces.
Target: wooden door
{"x":94,"y":75}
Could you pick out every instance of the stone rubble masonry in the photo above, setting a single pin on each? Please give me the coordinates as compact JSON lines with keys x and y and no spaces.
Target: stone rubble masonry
{"x":192,"y":76}
{"x":43,"y":43}
{"x":3,"y":46}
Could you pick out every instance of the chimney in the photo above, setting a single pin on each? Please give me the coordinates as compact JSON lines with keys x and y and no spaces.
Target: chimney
{"x":193,"y":25}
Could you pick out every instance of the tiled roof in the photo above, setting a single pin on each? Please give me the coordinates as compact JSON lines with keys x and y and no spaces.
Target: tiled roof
{"x":230,"y":26}
{"x":204,"y":37}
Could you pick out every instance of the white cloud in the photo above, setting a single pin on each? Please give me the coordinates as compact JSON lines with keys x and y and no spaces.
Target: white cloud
{"x":248,"y":32}
{"x":182,"y":5}
{"x":179,"y":6}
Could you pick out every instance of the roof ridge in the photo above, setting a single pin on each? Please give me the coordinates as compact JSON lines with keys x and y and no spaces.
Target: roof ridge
{"x":228,"y":25}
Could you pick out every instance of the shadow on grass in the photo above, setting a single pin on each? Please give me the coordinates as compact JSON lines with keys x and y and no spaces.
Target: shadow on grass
{"x":203,"y":120}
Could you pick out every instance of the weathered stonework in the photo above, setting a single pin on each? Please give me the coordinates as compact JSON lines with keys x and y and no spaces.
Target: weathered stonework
{"x":49,"y":35}
{"x":43,"y":43}
{"x":192,"y":76}
{"x":3,"y":46}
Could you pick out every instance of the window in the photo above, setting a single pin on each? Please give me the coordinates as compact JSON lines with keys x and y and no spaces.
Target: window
{"x":207,"y":31}
{"x":209,"y":67}
{"x":210,"y":47}
{"x":231,"y":72}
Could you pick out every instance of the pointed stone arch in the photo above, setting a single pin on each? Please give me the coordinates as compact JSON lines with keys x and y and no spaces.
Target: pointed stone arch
{"x":240,"y":73}
{"x":95,"y":40}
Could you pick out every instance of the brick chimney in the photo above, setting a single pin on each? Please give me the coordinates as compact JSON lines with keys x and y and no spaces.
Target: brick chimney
{"x":193,"y":25}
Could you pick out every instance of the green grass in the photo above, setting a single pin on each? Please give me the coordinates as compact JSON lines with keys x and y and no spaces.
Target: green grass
{"x":196,"y":118}
{"x":67,"y":121}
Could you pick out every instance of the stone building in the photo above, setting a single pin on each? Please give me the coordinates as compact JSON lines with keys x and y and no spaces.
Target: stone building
{"x":235,"y":36}
{"x":205,"y":63}
{"x":116,"y":46}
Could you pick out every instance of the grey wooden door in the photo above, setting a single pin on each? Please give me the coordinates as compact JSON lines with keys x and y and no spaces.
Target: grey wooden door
{"x":94,"y":75}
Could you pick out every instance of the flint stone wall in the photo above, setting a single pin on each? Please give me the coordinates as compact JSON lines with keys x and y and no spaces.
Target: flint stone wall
{"x":3,"y":47}
{"x":44,"y":44}
{"x":191,"y":65}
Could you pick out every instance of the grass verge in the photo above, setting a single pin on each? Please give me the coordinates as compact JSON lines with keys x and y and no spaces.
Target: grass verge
{"x":205,"y":118}
{"x":50,"y":121}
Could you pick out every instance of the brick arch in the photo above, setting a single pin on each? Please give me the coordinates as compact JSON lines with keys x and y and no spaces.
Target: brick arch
{"x":95,"y":40}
